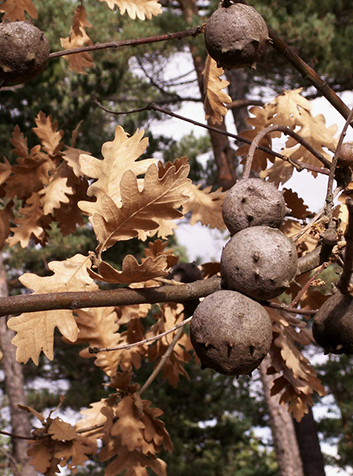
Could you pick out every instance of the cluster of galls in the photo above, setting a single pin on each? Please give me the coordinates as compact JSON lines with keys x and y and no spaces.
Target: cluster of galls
{"x":231,"y":332}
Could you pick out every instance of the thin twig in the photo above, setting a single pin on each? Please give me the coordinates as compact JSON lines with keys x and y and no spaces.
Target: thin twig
{"x":286,"y":130}
{"x":290,"y":309}
{"x":132,"y":42}
{"x":154,"y":107}
{"x":19,"y":437}
{"x":162,"y":362}
{"x":306,"y":286}
{"x":330,"y":237}
{"x":95,"y":350}
{"x":344,"y":282}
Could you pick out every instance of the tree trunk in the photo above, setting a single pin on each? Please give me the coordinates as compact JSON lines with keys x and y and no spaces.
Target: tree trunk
{"x":282,"y":428}
{"x":238,"y":89}
{"x":309,"y":445}
{"x":225,"y":158}
{"x":15,"y":391}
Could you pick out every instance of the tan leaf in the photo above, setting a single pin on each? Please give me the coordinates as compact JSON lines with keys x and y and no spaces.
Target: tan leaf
{"x":160,"y":198}
{"x":72,"y":156}
{"x":280,"y":172}
{"x":296,"y":204}
{"x":29,"y":224}
{"x":288,"y":108}
{"x":60,"y":430}
{"x":15,"y":10}
{"x":5,"y":170}
{"x":48,"y":134}
{"x":120,"y":155}
{"x":34,"y":412}
{"x":154,"y":430}
{"x":210,"y":269}
{"x":206,"y":206}
{"x":132,"y":271}
{"x":78,"y":38}
{"x":55,"y":192}
{"x":215,"y":98}
{"x":136,"y":8}
{"x":35,"y":330}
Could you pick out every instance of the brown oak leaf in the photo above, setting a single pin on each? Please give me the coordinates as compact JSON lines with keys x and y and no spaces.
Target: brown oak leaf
{"x":35,"y":330}
{"x":215,"y":97}
{"x":78,"y":38}
{"x":48,"y":134}
{"x":15,"y":10}
{"x":206,"y":206}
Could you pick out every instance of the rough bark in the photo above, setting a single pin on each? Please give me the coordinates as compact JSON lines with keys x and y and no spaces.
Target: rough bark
{"x":309,"y":445}
{"x":238,"y":89}
{"x":15,"y":390}
{"x":282,"y":428}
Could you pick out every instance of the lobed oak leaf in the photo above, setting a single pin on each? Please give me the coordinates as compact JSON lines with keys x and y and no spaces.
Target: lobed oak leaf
{"x":98,"y":328}
{"x":215,"y":98}
{"x":19,"y":142}
{"x":15,"y":10}
{"x":5,"y":171}
{"x":93,"y":419}
{"x":159,"y":199}
{"x":296,"y":375}
{"x":136,"y":8}
{"x":210,"y":269}
{"x":72,"y":155}
{"x":287,"y":109}
{"x":30,"y":224}
{"x":60,"y":430}
{"x":6,"y":215}
{"x":129,"y":425}
{"x":76,"y":451}
{"x":296,"y":204}
{"x":158,"y":248}
{"x":55,"y":192}
{"x":132,"y":271}
{"x":28,"y":177}
{"x":206,"y":206}
{"x":35,"y":330}
{"x":42,"y":457}
{"x":130,"y":358}
{"x":154,"y":430}
{"x":48,"y":134}
{"x":78,"y":38}
{"x":119,"y":156}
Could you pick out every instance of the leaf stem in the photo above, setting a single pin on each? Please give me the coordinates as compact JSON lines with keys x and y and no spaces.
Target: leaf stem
{"x":344,"y":282}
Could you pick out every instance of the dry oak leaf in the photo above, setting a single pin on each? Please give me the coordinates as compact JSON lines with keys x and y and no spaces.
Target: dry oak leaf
{"x":94,"y":419}
{"x":15,"y":10}
{"x":35,"y":330}
{"x":132,"y":271}
{"x":129,"y":426}
{"x":55,"y":193}
{"x":259,"y":122}
{"x":72,"y":155}
{"x":48,"y":134}
{"x":6,"y":215}
{"x":135,"y":463}
{"x":42,"y":457}
{"x":30,"y":224}
{"x":76,"y":451}
{"x":206,"y":206}
{"x":215,"y":98}
{"x":136,"y":8}
{"x":60,"y":430}
{"x":5,"y":170}
{"x":295,"y":203}
{"x":19,"y":142}
{"x":119,"y":156}
{"x":29,"y":176}
{"x":160,"y":198}
{"x":78,"y":38}
{"x":158,"y":248}
{"x":287,"y":109}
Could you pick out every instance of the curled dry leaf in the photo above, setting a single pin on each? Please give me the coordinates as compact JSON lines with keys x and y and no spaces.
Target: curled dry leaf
{"x":215,"y":98}
{"x":78,"y":38}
